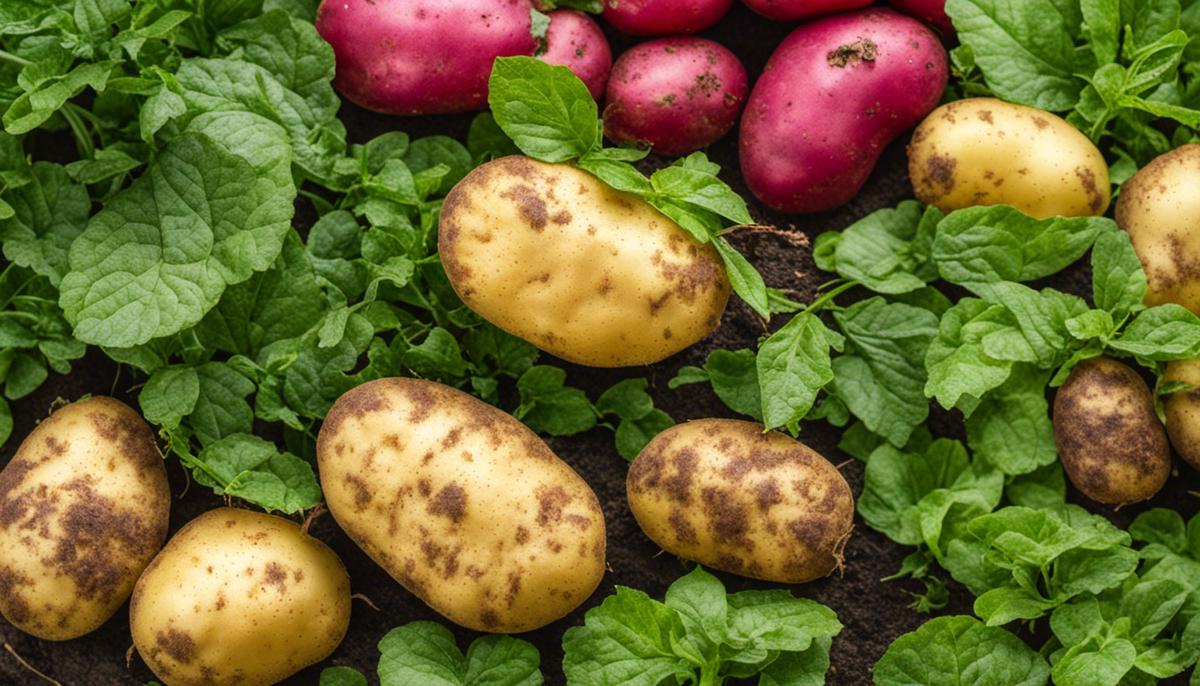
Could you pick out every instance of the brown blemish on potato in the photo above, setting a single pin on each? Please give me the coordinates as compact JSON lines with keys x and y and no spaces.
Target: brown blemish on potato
{"x":561,"y":217}
{"x":986,"y":116}
{"x":129,"y":431}
{"x":220,"y":604}
{"x":424,"y":487}
{"x":357,"y":402}
{"x":684,"y":531}
{"x":100,"y":541}
{"x":514,"y":587}
{"x":420,"y":395}
{"x":678,"y":486}
{"x":940,"y":170}
{"x":689,"y":279}
{"x":56,"y":447}
{"x":178,"y":645}
{"x":489,"y":618}
{"x":1088,"y":178}
{"x":666,"y":334}
{"x":767,"y":493}
{"x":727,"y":519}
{"x":657,"y":303}
{"x":1040,"y":122}
{"x":551,"y":502}
{"x":522,"y":535}
{"x":863,"y":49}
{"x":530,"y":205}
{"x":450,"y":501}
{"x":362,"y":494}
{"x":275,"y":575}
{"x":451,"y":439}
{"x":12,"y":603}
{"x":605,"y":285}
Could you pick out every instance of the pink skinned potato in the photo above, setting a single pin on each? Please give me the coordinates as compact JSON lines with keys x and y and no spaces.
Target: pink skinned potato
{"x":675,"y":94}
{"x":663,"y":17}
{"x":831,"y":97}
{"x":575,"y":41}
{"x":932,"y":12}
{"x":795,"y":10}
{"x":421,"y":56}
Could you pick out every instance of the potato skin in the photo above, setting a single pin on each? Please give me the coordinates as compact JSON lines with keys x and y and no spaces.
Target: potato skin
{"x":795,"y":10}
{"x":1160,"y":209}
{"x":84,"y":507}
{"x":239,"y":598}
{"x":576,"y":41}
{"x":1113,"y":447}
{"x":460,"y":503}
{"x":595,"y":276}
{"x":725,"y":494}
{"x":865,"y":77}
{"x":1183,"y":411}
{"x":678,"y":94}
{"x":983,"y":151}
{"x":662,"y":17}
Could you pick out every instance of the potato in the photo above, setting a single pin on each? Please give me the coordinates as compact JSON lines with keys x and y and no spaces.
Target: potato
{"x":239,"y":598}
{"x":725,"y":494}
{"x":1113,"y":447}
{"x":1160,"y":209}
{"x":833,"y":95}
{"x":982,"y":151}
{"x":1183,"y":411}
{"x":461,"y":504}
{"x":663,"y":17}
{"x":551,"y":254}
{"x":84,"y":506}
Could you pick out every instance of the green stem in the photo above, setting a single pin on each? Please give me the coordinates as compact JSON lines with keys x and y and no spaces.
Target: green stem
{"x":83,"y":138}
{"x":827,"y":297}
{"x":709,"y":676}
{"x":14,"y":59}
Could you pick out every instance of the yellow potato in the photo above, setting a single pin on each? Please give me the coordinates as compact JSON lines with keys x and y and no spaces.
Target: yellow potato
{"x":725,"y":494}
{"x":1183,"y":411}
{"x":84,"y":506}
{"x":461,"y":504}
{"x":982,"y":151}
{"x":599,"y":277}
{"x":1113,"y":447}
{"x":239,"y":598}
{"x":1160,"y":209}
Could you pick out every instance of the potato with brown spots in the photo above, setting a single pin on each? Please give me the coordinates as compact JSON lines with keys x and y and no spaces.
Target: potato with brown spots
{"x":461,"y":504}
{"x":239,"y":598}
{"x":725,"y":494}
{"x":84,"y":507}
{"x":593,"y":275}
{"x":1160,"y":209}
{"x":1113,"y":447}
{"x":982,"y":151}
{"x":1183,"y":411}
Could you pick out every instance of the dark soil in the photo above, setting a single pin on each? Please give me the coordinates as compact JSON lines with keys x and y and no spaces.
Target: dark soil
{"x":873,"y":611}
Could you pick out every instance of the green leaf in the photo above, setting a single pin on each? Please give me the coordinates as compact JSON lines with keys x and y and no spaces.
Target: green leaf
{"x":633,"y":434}
{"x":627,"y":399}
{"x":486,"y":140}
{"x":294,"y":54}
{"x":887,"y":250}
{"x":734,"y":378}
{"x":546,"y":110}
{"x":1010,"y":429}
{"x":49,"y":214}
{"x":744,"y":278}
{"x":250,"y":468}
{"x":629,"y":639}
{"x":550,"y":407}
{"x":202,"y":217}
{"x":793,"y":366}
{"x":6,"y":421}
{"x":1025,"y":48}
{"x":221,"y":408}
{"x":691,"y":180}
{"x":1164,"y":332}
{"x":960,"y":370}
{"x":170,"y":395}
{"x":342,"y":676}
{"x":32,"y":108}
{"x":999,"y":243}
{"x":25,"y":374}
{"x":106,"y":164}
{"x":949,"y":651}
{"x":881,"y":376}
{"x":1118,"y":281}
{"x":1041,"y":318}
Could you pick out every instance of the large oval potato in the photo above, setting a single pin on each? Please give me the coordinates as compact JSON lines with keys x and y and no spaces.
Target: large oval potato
{"x":553,"y":255}
{"x":239,"y":598}
{"x":982,"y":151}
{"x":725,"y":494}
{"x":1160,"y":209}
{"x":1183,"y":411}
{"x":1113,"y":447}
{"x":461,"y":504}
{"x":84,"y":506}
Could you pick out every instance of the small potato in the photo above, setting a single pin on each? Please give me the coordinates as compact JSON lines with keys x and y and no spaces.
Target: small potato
{"x":725,"y":494}
{"x":84,"y":506}
{"x":1160,"y":209}
{"x":982,"y":151}
{"x":1113,"y":447}
{"x":595,"y":276}
{"x":239,"y":598}
{"x":1183,"y":411}
{"x":577,"y":42}
{"x":460,"y":503}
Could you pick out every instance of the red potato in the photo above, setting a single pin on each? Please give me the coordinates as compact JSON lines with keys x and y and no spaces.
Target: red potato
{"x":932,"y":12}
{"x":831,"y":97}
{"x":794,"y":10}
{"x":663,"y":17}
{"x":422,"y":56}
{"x":575,"y":41}
{"x":676,"y":94}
